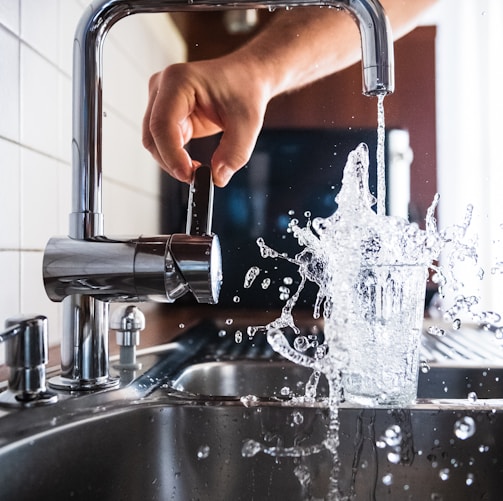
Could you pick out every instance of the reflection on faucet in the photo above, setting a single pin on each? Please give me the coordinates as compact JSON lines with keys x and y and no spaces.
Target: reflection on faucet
{"x":146,"y":268}
{"x":86,"y":272}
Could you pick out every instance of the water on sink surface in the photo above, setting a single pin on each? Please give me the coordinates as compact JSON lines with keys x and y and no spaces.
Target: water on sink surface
{"x":183,"y":452}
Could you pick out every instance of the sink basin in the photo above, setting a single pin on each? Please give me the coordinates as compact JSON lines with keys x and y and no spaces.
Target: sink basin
{"x":167,"y":451}
{"x":180,"y":431}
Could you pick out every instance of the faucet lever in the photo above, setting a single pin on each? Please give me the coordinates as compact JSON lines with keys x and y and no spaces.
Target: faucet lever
{"x":200,"y":205}
{"x":197,"y":253}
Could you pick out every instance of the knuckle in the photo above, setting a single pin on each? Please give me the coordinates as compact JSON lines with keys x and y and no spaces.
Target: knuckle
{"x":157,"y":125}
{"x":147,"y":141}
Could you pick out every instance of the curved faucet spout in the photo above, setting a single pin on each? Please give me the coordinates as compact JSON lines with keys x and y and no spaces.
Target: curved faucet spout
{"x":378,"y":75}
{"x":86,"y":219}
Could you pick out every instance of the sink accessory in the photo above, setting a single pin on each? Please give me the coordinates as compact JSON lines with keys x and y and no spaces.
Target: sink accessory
{"x":128,"y":321}
{"x":25,"y":340}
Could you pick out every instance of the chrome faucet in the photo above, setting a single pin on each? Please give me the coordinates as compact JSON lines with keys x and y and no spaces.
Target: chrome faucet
{"x":87,"y":270}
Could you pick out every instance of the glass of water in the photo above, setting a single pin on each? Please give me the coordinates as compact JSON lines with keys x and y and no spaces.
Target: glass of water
{"x":379,"y":333}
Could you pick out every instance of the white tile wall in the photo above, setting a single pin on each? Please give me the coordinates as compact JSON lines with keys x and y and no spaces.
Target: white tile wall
{"x":36,"y":38}
{"x":9,"y":78}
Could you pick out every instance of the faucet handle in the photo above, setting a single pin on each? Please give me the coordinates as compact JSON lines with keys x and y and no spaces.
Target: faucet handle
{"x":197,"y":253}
{"x":200,"y":206}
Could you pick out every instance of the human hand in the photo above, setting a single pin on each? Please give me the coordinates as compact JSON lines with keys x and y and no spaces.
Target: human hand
{"x":198,"y":99}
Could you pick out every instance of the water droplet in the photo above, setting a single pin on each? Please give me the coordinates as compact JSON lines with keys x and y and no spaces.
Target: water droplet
{"x":250,"y":276}
{"x":266,"y":283}
{"x":229,"y":321}
{"x":435,"y":331}
{"x":203,"y":452}
{"x":464,"y":428}
{"x":236,"y":299}
{"x":181,"y":326}
{"x":483,"y":448}
{"x":456,"y":324}
{"x":301,"y":343}
{"x":425,"y":367}
{"x":222,"y":333}
{"x":238,"y":336}
{"x":491,"y":317}
{"x":472,"y":397}
{"x":303,"y":475}
{"x":470,"y":479}
{"x":387,"y":479}
{"x":394,"y":457}
{"x":250,"y":448}
{"x":321,"y":352}
{"x":288,"y":280}
{"x":252,"y":330}
{"x":444,"y":474}
{"x":249,"y":400}
{"x":285,"y":391}
{"x":393,"y":435}
{"x":297,"y":417}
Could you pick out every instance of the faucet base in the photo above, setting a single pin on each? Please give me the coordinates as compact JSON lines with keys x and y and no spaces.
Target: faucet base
{"x":67,"y":384}
{"x":10,"y":398}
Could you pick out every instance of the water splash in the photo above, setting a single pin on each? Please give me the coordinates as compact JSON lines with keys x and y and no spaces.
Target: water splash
{"x":252,"y":448}
{"x":358,"y":258}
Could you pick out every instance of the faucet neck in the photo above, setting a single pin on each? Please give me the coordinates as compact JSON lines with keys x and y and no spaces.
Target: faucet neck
{"x":84,"y":349}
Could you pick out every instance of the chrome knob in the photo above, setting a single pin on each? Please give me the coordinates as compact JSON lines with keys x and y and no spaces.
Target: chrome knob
{"x":128,"y":322}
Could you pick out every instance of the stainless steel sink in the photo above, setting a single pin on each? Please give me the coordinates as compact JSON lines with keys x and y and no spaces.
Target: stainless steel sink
{"x":163,"y":450}
{"x":180,"y":431}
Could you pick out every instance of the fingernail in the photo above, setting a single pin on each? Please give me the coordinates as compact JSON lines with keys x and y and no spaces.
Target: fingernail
{"x":181,"y":175}
{"x":223,"y":175}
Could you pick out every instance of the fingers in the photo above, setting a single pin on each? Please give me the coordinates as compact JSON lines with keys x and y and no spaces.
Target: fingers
{"x":167,"y":127}
{"x":184,"y":104}
{"x":236,"y":145}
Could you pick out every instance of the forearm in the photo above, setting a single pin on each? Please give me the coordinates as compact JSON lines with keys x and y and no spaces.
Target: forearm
{"x":300,"y":46}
